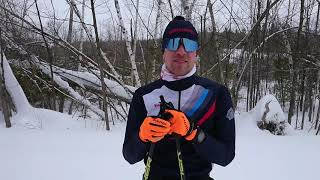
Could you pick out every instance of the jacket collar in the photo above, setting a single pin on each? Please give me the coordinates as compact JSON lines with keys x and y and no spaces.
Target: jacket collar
{"x":182,"y":84}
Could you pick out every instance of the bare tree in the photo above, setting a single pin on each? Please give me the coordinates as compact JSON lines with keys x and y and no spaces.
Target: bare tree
{"x":214,"y":42}
{"x":100,"y":57}
{"x":171,"y":9}
{"x":128,"y":45}
{"x":49,"y":52}
{"x":292,"y":66}
{"x":115,"y":75}
{"x":156,"y":30}
{"x":4,"y":107}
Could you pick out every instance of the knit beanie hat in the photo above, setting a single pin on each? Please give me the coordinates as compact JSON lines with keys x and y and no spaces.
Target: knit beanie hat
{"x":179,"y":27}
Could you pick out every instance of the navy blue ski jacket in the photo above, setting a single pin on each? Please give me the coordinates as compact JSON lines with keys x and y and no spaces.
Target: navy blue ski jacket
{"x":205,"y":102}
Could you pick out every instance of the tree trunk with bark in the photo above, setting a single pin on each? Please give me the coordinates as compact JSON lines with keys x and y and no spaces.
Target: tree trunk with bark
{"x":4,"y":105}
{"x":214,"y":42}
{"x":128,"y":46}
{"x":292,"y":65}
{"x":103,"y":85}
{"x":50,"y":57}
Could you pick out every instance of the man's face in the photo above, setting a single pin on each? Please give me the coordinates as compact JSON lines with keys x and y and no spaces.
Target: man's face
{"x":179,"y":62}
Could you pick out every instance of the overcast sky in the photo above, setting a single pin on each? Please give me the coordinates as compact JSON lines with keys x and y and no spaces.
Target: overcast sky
{"x":107,"y":17}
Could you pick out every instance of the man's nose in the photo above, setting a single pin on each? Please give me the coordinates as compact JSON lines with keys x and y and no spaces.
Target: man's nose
{"x":181,"y":51}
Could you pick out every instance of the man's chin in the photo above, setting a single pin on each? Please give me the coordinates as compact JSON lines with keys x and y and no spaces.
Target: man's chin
{"x":181,"y":73}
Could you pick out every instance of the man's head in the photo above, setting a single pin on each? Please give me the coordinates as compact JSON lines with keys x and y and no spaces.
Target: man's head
{"x":180,"y":45}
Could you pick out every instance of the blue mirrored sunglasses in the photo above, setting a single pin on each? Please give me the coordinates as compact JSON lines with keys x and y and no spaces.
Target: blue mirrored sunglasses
{"x":174,"y":43}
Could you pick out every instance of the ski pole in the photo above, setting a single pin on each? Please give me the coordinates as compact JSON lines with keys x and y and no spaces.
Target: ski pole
{"x":179,"y":156}
{"x":163,"y":106}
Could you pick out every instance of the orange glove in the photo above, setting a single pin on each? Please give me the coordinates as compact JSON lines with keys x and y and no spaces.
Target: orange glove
{"x":180,"y":124}
{"x":153,"y":129}
{"x":197,"y":136}
{"x":192,"y":135}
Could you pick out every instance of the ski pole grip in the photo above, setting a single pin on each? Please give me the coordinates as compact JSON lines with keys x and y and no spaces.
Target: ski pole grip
{"x":163,"y":106}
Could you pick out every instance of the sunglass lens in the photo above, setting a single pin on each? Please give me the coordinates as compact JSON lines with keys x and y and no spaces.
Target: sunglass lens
{"x":190,"y":45}
{"x":173,"y":44}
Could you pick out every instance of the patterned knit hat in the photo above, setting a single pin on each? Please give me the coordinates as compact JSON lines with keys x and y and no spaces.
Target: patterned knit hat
{"x":179,"y":27}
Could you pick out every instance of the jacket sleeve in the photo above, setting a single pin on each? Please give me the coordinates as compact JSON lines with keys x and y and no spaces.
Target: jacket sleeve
{"x":134,"y":150}
{"x":219,"y":144}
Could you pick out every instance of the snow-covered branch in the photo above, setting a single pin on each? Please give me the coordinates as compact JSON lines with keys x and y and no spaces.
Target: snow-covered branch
{"x":89,"y":80}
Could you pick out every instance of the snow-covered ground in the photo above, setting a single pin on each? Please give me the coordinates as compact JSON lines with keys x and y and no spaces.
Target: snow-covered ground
{"x":68,"y":148}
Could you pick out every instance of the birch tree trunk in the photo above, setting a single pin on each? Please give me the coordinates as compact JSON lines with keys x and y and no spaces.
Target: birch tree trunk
{"x":81,"y":34}
{"x":135,"y":36}
{"x":69,"y":40}
{"x":317,"y":20}
{"x":185,"y":8}
{"x":156,"y":31}
{"x":128,"y":46}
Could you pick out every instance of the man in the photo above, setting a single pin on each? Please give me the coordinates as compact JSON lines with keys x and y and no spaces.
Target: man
{"x":202,"y":116}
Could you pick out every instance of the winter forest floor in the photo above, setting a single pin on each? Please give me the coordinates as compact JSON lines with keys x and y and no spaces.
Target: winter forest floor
{"x":68,"y":148}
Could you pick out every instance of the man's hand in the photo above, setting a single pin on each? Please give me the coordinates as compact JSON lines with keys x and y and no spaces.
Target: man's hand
{"x":153,"y":129}
{"x":180,"y":124}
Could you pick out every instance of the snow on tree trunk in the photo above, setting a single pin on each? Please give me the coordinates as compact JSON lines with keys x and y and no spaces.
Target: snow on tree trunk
{"x":13,"y":87}
{"x":128,"y":46}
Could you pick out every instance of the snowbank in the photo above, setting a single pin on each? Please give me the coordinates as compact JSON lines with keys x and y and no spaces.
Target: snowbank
{"x":260,"y":111}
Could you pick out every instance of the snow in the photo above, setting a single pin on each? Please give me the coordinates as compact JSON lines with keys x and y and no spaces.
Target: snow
{"x":67,"y":147}
{"x":276,"y":114}
{"x":85,"y":79}
{"x":14,"y":89}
